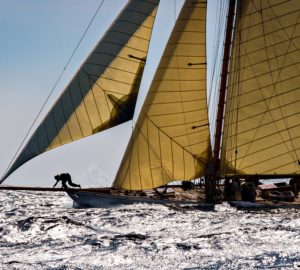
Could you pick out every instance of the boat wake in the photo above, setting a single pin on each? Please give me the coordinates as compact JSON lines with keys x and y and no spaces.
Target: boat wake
{"x":42,"y":231}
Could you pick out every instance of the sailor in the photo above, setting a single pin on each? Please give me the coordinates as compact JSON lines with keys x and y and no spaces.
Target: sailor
{"x":232,"y":189}
{"x":65,"y":178}
{"x":295,"y":184}
{"x":227,"y":190}
{"x":248,"y":191}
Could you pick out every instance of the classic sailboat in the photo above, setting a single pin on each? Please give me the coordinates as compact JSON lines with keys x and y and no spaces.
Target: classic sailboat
{"x":257,"y":130}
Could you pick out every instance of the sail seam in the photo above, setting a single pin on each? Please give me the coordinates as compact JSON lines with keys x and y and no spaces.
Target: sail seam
{"x":84,"y":104}
{"x":120,"y":46}
{"x":176,"y":91}
{"x":189,"y":123}
{"x":287,"y":55}
{"x":265,"y":124}
{"x":176,"y":102}
{"x":269,"y":101}
{"x":269,"y":146}
{"x":174,"y":113}
{"x":149,"y":119}
{"x":267,"y":34}
{"x":271,"y":58}
{"x":269,"y":159}
{"x":92,"y":87}
{"x":65,"y":120}
{"x":266,"y":73}
{"x":266,"y":100}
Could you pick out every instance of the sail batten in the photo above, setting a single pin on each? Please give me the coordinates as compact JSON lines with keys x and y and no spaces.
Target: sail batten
{"x":170,"y":140}
{"x":103,"y":93}
{"x":262,"y":117}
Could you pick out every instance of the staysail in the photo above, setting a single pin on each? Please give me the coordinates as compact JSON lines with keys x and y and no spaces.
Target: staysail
{"x":262,"y":118}
{"x":170,"y":140}
{"x":103,"y":92}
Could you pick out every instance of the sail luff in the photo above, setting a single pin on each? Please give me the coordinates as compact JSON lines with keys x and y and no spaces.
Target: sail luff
{"x":102,"y":94}
{"x":170,"y":140}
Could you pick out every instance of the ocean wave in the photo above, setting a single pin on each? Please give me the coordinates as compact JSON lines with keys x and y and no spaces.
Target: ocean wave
{"x":42,"y":231}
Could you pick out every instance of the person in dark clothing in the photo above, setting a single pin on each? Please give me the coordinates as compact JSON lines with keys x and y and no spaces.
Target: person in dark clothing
{"x":232,"y":190}
{"x":65,"y":178}
{"x":295,"y":184}
{"x":248,"y":191}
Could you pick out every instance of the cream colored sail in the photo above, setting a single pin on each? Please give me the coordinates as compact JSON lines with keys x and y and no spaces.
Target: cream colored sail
{"x":103,"y":92}
{"x":171,"y":138}
{"x":262,"y":119}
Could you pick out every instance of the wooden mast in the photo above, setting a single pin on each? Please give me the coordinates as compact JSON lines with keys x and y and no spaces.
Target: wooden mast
{"x":211,"y":183}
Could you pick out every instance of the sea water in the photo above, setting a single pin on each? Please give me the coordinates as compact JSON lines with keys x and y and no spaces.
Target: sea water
{"x":41,"y":230}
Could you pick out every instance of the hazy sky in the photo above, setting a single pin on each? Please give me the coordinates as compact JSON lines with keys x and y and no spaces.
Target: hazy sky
{"x":37,"y":39}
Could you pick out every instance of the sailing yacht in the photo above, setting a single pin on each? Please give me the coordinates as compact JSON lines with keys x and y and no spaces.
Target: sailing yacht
{"x":257,"y":116}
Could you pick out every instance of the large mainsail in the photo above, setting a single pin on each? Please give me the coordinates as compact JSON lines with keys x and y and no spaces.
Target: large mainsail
{"x":262,"y":119}
{"x":170,"y":140}
{"x":103,"y":92}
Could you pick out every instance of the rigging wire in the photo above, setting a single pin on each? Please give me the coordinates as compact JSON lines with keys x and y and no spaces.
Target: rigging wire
{"x":238,"y":79}
{"x":214,"y":81}
{"x":270,"y":99}
{"x":52,"y":90}
{"x":284,"y":113}
{"x":274,"y":94}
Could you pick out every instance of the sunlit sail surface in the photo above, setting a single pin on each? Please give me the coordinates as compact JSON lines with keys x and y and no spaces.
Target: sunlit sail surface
{"x":262,"y":120}
{"x":103,"y":92}
{"x":171,"y":138}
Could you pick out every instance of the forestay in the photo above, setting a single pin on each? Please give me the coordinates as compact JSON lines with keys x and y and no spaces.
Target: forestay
{"x":170,"y":140}
{"x":103,"y":92}
{"x":262,"y":118}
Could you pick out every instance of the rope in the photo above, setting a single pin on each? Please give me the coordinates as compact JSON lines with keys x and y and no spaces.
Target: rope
{"x":52,"y":90}
{"x":214,"y":81}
